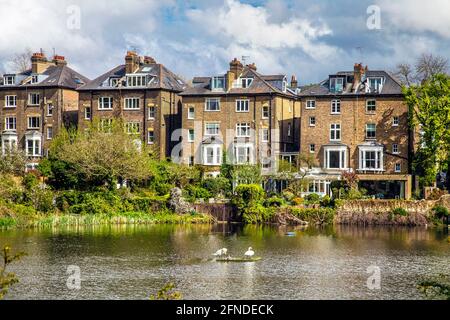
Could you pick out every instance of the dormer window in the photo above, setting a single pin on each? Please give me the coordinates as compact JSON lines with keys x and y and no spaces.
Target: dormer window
{"x":375,"y":84}
{"x":218,"y":83}
{"x":113,"y":82}
{"x":34,"y":79}
{"x":9,"y":80}
{"x":136,"y":80}
{"x":336,"y":84}
{"x":246,"y":82}
{"x":285,"y":84}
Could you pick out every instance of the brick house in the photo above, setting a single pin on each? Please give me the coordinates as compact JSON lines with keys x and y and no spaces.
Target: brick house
{"x":37,"y":103}
{"x":141,"y":92}
{"x":250,"y":117}
{"x":357,"y":121}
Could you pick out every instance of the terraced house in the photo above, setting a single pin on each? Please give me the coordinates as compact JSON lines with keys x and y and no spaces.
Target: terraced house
{"x":250,"y":117}
{"x":141,"y":92}
{"x":36,"y":103}
{"x":357,"y":121}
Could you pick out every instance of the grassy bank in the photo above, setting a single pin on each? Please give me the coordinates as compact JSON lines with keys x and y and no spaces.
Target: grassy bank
{"x":65,"y":219}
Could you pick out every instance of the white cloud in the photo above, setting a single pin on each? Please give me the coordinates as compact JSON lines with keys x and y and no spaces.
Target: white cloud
{"x":248,"y":27}
{"x":418,"y":15}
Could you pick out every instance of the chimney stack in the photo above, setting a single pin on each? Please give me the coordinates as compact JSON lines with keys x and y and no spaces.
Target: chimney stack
{"x":235,"y":71}
{"x":59,"y":60}
{"x":132,"y":62}
{"x":252,"y":66}
{"x":149,"y":60}
{"x":39,"y":62}
{"x":294,"y":82}
{"x":358,"y":72}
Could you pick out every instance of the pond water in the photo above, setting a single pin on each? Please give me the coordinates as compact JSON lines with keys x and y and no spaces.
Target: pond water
{"x":132,"y":262}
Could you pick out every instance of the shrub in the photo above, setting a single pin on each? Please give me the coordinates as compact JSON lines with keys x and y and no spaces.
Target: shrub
{"x":274,"y":202}
{"x":257,"y":214}
{"x":325,"y":201}
{"x":400,"y":212}
{"x":42,"y":198}
{"x":217,"y":186}
{"x":247,"y":195}
{"x":193,"y":193}
{"x":289,"y":196}
{"x":315,"y":216}
{"x":298,"y":201}
{"x":440,"y":212}
{"x":313,"y":198}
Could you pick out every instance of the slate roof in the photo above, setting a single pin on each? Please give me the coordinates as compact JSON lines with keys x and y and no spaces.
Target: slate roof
{"x":261,"y":84}
{"x":391,"y":85}
{"x":162,"y":78}
{"x":57,"y":76}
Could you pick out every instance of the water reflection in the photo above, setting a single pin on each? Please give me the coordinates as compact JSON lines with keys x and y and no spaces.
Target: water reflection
{"x":131,"y":262}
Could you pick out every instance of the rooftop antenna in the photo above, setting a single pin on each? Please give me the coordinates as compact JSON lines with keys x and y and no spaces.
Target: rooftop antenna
{"x":244,"y":60}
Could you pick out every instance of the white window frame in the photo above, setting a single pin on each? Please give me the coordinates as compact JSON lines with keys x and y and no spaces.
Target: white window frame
{"x":367,"y":131}
{"x":395,"y":149}
{"x":312,"y":148}
{"x":130,"y":127}
{"x":132,"y":103}
{"x":336,"y":128}
{"x":37,"y":145}
{"x":6,"y":81}
{"x":343,"y":157}
{"x":49,"y":133}
{"x":7,"y":101}
{"x":312,"y":121}
{"x":243,"y":130}
{"x":208,"y":127}
{"x":216,"y":155}
{"x":395,"y":121}
{"x":379,"y":158}
{"x":265,"y":135}
{"x":335,"y":105}
{"x":367,"y":106}
{"x":30,"y":124}
{"x":242,"y":105}
{"x":341,"y":83}
{"x":150,"y":136}
{"x":102,"y":101}
{"x":245,"y":150}
{"x":10,"y":141}
{"x":191,"y":112}
{"x":105,"y":124}
{"x":7,"y":124}
{"x":246,"y":82}
{"x":215,"y":81}
{"x":263,"y":111}
{"x":137,"y":80}
{"x":309,"y":103}
{"x":50,"y":106}
{"x":191,"y":135}
{"x":151,"y":112}
{"x":86,"y":113}
{"x":207,"y":104}
{"x":398,"y":167}
{"x":34,"y":103}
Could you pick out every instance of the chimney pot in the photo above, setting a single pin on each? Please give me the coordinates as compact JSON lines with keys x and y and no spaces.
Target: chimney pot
{"x":252,"y":66}
{"x":294,"y":82}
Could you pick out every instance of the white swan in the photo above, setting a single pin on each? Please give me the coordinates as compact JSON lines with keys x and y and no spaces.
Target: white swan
{"x":221,"y":252}
{"x":250,"y":253}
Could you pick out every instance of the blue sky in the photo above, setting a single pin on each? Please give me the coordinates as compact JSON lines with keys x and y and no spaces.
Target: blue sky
{"x":310,"y":39}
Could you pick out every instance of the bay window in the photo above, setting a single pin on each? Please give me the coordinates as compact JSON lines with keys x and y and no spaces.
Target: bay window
{"x":212,"y":155}
{"x":371,"y":158}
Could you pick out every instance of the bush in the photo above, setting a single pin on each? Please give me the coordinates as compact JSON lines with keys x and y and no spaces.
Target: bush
{"x":217,"y":186}
{"x":193,"y":193}
{"x":274,"y":202}
{"x":42,"y":199}
{"x":325,"y":201}
{"x":247,"y":195}
{"x":315,"y":216}
{"x":440,"y":212}
{"x":257,"y":214}
{"x":298,"y":201}
{"x":313,"y":198}
{"x":400,"y":212}
{"x":289,"y":196}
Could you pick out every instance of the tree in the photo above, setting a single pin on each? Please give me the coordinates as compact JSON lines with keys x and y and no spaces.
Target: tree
{"x":246,"y":174}
{"x":297,"y":174}
{"x":429,"y":105}
{"x":13,"y":162}
{"x":22,"y":61}
{"x":103,"y":155}
{"x":10,"y":278}
{"x":424,"y":68}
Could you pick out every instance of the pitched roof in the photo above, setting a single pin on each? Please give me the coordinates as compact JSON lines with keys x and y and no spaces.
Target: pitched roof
{"x":161,"y":78}
{"x":391,"y":85}
{"x":261,"y":84}
{"x":54,"y":76}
